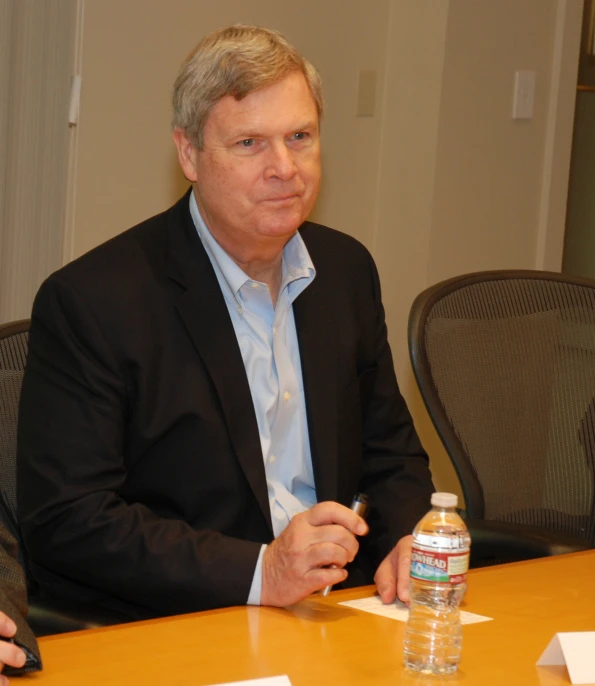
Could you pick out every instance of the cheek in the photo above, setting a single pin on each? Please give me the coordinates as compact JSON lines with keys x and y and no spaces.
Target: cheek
{"x":312,"y":169}
{"x":219,"y":174}
{"x":239,"y":183}
{"x":312,"y":177}
{"x":221,"y":187}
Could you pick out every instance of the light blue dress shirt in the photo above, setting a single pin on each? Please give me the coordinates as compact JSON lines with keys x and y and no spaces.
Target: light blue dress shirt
{"x":268,"y":342}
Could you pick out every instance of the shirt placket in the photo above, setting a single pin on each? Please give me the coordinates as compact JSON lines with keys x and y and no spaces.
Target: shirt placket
{"x":286,"y":408}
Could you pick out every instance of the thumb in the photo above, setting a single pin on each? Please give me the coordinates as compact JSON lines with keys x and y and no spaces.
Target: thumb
{"x":7,"y":626}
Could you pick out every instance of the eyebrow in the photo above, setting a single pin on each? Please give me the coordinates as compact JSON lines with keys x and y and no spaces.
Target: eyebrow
{"x":307,"y":125}
{"x":247,"y":133}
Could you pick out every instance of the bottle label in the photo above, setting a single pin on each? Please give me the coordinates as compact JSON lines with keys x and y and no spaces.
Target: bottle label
{"x":438,"y":541}
{"x":431,"y":565}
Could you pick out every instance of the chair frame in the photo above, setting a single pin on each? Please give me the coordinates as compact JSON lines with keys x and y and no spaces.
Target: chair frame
{"x":10,"y":328}
{"x":420,"y":310}
{"x":6,"y":331}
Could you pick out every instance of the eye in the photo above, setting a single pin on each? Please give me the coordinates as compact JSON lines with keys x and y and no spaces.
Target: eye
{"x":247,"y":142}
{"x":299,"y":136}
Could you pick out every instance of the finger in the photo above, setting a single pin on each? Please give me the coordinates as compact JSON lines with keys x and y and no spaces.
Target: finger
{"x":385,"y":580}
{"x":7,"y":626}
{"x":403,"y":570}
{"x":338,"y":535}
{"x":334,"y":513}
{"x":283,"y":585}
{"x":3,"y":680}
{"x":326,"y":554}
{"x":320,"y":578}
{"x":11,"y":655}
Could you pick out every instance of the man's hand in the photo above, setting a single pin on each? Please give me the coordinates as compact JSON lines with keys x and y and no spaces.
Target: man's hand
{"x":392,"y":576}
{"x":310,"y":554}
{"x":10,"y":654}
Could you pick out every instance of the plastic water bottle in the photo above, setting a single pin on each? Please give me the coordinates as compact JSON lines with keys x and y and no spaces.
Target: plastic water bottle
{"x":439,"y":563}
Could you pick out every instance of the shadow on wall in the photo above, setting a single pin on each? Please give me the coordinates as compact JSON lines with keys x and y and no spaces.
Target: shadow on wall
{"x":178,"y":183}
{"x":443,"y":473}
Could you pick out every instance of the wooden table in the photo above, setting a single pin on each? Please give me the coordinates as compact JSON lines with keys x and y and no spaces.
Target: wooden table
{"x":319,"y":642}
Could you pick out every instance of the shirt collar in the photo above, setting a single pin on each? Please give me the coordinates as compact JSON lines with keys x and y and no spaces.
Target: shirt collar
{"x":233,"y":275}
{"x":297,"y":263}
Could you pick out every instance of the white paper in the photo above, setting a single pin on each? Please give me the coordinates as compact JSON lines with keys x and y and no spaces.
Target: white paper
{"x":553,"y":654}
{"x":575,"y":649}
{"x":399,"y":610}
{"x":267,"y":681}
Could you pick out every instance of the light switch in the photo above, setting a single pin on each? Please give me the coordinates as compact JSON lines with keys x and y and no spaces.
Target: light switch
{"x":75,"y":100}
{"x":366,"y":93}
{"x":524,"y":95}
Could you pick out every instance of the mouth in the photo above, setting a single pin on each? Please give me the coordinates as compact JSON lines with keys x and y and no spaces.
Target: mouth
{"x":284,"y":198}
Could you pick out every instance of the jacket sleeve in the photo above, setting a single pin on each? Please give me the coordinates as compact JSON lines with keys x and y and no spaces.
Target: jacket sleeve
{"x":13,"y":602}
{"x":73,"y":423}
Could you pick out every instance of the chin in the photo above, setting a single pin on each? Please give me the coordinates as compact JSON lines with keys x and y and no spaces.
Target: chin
{"x":279,"y":233}
{"x":287,"y":227}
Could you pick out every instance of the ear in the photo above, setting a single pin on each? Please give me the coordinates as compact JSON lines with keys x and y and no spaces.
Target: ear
{"x":187,"y":154}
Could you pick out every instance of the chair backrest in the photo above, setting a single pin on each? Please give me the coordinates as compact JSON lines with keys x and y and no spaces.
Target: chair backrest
{"x":505,"y":363}
{"x":13,"y":356}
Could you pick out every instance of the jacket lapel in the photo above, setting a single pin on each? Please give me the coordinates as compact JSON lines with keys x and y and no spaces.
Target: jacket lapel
{"x":204,"y":313}
{"x":316,"y":335}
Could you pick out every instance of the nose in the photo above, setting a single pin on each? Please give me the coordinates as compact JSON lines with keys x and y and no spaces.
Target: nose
{"x":281,"y":162}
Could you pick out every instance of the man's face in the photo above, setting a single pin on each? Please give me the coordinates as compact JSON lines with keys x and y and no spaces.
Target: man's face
{"x":257,"y":177}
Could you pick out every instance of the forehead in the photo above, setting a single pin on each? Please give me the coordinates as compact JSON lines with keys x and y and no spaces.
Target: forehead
{"x":281,"y":106}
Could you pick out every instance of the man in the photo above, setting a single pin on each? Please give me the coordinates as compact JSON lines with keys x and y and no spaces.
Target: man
{"x":19,"y":652}
{"x":206,"y":392}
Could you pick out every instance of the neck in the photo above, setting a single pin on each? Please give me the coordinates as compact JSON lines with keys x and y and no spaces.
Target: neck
{"x":268,"y":270}
{"x":262,"y":261}
{"x":260,"y":257}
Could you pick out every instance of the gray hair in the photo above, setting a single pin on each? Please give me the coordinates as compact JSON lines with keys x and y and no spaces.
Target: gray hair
{"x":235,"y":61}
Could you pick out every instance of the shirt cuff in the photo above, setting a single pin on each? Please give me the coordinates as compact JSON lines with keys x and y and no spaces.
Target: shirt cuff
{"x":256,"y":588}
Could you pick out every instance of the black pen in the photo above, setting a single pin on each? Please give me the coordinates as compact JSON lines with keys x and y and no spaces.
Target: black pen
{"x":359,"y":505}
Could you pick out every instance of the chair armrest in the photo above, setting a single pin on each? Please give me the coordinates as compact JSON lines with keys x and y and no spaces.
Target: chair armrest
{"x":495,"y":542}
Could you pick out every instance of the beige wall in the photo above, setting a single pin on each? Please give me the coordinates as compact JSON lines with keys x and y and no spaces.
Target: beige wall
{"x":403,"y":228}
{"x":440,"y":181}
{"x":463,"y":187}
{"x":35,"y":72}
{"x":488,"y":168}
{"x":131,"y":52}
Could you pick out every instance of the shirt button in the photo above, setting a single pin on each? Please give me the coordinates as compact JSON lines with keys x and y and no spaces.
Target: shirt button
{"x":286,"y":396}
{"x":274,"y":330}
{"x":253,"y":285}
{"x":240,"y":310}
{"x":272,"y":458}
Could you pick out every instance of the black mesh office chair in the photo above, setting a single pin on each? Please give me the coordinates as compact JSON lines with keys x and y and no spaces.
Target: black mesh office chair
{"x":46,"y":616}
{"x":505,"y":363}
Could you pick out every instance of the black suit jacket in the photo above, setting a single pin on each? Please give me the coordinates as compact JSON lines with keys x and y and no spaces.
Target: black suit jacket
{"x":141,"y":482}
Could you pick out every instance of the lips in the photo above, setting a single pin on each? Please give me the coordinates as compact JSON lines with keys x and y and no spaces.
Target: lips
{"x":281,"y":198}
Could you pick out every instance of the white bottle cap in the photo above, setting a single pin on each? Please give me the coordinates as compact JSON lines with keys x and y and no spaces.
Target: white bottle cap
{"x":444,"y":500}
